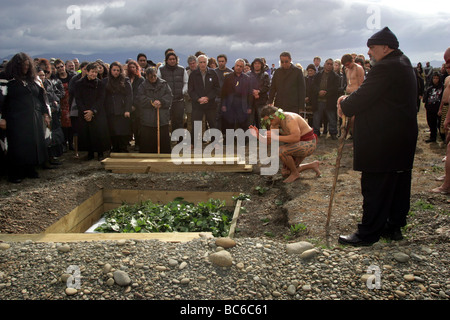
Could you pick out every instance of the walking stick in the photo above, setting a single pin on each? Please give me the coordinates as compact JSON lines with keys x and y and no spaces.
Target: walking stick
{"x":159,"y":132}
{"x":157,"y":124}
{"x":344,"y":131}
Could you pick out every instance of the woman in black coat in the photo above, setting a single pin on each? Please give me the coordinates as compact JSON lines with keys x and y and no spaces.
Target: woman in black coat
{"x":118,"y":101}
{"x":134,"y":74}
{"x":52,"y":97}
{"x":25,"y":115}
{"x":93,"y":135}
{"x":153,"y":94}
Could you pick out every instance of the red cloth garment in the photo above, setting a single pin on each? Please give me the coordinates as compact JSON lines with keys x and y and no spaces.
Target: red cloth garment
{"x":308,"y":136}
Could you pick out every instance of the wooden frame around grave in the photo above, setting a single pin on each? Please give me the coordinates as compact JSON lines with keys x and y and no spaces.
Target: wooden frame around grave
{"x":72,"y":226}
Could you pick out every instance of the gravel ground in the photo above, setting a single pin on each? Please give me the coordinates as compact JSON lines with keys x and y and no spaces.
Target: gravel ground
{"x":257,"y":268}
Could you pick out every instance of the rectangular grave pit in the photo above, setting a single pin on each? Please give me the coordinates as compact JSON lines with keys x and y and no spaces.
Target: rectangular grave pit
{"x":72,"y":227}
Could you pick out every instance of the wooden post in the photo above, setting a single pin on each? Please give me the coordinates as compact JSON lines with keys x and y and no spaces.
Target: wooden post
{"x":344,"y":131}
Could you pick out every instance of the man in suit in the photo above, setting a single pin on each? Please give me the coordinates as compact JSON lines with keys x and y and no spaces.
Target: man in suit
{"x":385,"y":137}
{"x":203,"y":88}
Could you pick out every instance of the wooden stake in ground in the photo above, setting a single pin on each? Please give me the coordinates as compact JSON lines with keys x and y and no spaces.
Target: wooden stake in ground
{"x":344,"y":132}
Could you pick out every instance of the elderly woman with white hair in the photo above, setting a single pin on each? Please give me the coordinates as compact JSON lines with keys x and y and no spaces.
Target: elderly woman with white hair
{"x":154,"y":94}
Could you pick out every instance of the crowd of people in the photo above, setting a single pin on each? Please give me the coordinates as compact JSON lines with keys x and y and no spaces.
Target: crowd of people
{"x":51,"y":106}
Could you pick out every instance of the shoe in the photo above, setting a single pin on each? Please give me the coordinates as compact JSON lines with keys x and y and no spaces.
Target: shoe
{"x":15,"y":180}
{"x":393,"y":233}
{"x":32,"y":175}
{"x":90,"y":156}
{"x":100,"y":156}
{"x":48,"y":165}
{"x":333,"y":137}
{"x":354,"y":240}
{"x":430,"y":140}
{"x":55,"y":162}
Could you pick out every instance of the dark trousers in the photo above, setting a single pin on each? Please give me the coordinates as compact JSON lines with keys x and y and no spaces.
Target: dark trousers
{"x":68,"y":137}
{"x":386,"y":200}
{"x":119,"y":143}
{"x":433,"y":120}
{"x":197,"y":115}
{"x":149,"y":139}
{"x":177,"y":115}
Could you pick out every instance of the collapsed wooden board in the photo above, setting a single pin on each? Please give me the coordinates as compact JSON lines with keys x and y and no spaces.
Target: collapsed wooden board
{"x":146,"y":163}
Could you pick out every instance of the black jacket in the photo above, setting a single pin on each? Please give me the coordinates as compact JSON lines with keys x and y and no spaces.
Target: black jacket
{"x":92,"y":135}
{"x":384,"y":106}
{"x":332,"y":90}
{"x":287,"y":90}
{"x":260,"y":81}
{"x":197,"y":89}
{"x":116,"y":103}
{"x":175,"y":78}
{"x":22,"y":108}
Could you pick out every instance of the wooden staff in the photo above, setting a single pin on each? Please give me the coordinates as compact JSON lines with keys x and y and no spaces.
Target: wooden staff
{"x":158,"y":129}
{"x":159,"y":133}
{"x":344,"y":131}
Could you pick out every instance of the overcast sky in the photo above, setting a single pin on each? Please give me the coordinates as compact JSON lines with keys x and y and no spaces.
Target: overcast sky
{"x":239,"y":28}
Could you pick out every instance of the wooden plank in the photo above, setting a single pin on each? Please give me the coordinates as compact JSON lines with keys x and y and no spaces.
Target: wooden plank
{"x":130,"y":155}
{"x":177,"y":161}
{"x":138,"y":155}
{"x":80,"y":213}
{"x":86,"y":223}
{"x":125,"y":165}
{"x":237,"y":210}
{"x":81,"y":237}
{"x":119,"y":196}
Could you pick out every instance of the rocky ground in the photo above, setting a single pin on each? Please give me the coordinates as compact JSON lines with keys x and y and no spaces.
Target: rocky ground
{"x":261,"y":264}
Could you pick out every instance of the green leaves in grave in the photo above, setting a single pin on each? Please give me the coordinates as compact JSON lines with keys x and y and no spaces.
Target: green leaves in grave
{"x":176,"y":216}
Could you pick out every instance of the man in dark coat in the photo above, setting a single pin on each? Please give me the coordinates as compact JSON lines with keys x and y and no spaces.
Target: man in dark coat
{"x":324,"y":97}
{"x":177,"y":78}
{"x":287,"y":90}
{"x":203,"y":88}
{"x":236,"y":94}
{"x":385,"y":137}
{"x":93,"y":127}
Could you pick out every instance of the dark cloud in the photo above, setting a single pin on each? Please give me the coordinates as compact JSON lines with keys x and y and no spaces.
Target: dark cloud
{"x":240,"y":28}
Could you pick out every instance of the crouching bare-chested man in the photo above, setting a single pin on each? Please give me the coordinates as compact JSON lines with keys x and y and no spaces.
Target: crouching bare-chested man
{"x":298,"y":138}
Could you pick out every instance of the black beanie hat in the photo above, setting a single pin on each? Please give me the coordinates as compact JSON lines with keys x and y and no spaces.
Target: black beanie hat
{"x":384,"y":37}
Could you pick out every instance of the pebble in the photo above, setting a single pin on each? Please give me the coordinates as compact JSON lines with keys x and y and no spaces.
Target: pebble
{"x":401,"y":257}
{"x":298,"y":247}
{"x":4,"y":246}
{"x":221,"y":258}
{"x":173,"y":263}
{"x":71,"y":291}
{"x":409,"y":277}
{"x":308,"y":254}
{"x":291,"y":290}
{"x":121,"y":278}
{"x":63,"y":248}
{"x":225,"y":243}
